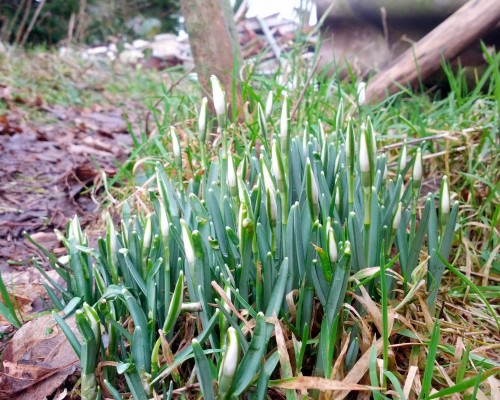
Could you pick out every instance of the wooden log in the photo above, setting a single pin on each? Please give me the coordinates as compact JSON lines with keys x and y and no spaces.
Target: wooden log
{"x":214,"y":43}
{"x":470,"y":22}
{"x":395,"y":9}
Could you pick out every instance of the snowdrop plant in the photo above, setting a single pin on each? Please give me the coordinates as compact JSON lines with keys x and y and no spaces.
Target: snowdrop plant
{"x":258,"y":235}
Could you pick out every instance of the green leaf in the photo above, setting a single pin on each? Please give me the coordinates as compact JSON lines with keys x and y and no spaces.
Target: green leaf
{"x":70,"y":335}
{"x":7,"y":309}
{"x":251,"y":361}
{"x":174,"y":308}
{"x":115,"y":393}
{"x":278,"y":293}
{"x":203,"y":371}
{"x":135,"y":385}
{"x":265,"y":375}
{"x":429,"y":367}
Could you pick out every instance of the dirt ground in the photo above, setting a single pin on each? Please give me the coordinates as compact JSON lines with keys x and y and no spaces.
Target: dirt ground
{"x":48,"y":171}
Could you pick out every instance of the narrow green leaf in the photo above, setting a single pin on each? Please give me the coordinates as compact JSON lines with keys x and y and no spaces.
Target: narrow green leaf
{"x":251,"y":361}
{"x":203,"y":371}
{"x":174,"y":308}
{"x":429,"y":367}
{"x":265,"y":375}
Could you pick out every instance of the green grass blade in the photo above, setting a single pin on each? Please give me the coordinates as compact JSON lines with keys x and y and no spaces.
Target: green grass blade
{"x":429,"y":367}
{"x":473,"y":288}
{"x":467,"y":384}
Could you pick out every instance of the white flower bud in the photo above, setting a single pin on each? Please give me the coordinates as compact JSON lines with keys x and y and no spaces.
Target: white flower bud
{"x":164,"y":223}
{"x":445,"y":196}
{"x":202,"y":120}
{"x":364,"y":160}
{"x":332,"y":246}
{"x":337,"y":197}
{"x":176,"y":147}
{"x":348,"y":145}
{"x":146,"y":241}
{"x":218,"y":96}
{"x":228,"y":295}
{"x":268,"y":181}
{"x":275,"y":164}
{"x":269,"y":103}
{"x":361,"y":90}
{"x":229,"y":363}
{"x":402,"y":159}
{"x":417,"y":167}
{"x":272,"y":207}
{"x":396,"y":221}
{"x":231,"y":176}
{"x":187,"y":240}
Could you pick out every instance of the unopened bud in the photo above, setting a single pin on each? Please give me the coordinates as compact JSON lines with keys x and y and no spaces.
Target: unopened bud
{"x":231,"y":176}
{"x":332,"y":246}
{"x":218,"y":96}
{"x":164,"y":223}
{"x":176,"y":147}
{"x":187,"y":240}
{"x":229,"y":363}
{"x":417,"y":168}
{"x":202,"y":120}
{"x":402,"y":158}
{"x":269,"y":103}
{"x":361,"y":90}
{"x":396,"y":221}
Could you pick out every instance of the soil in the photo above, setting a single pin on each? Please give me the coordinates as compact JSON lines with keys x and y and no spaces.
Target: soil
{"x":49,"y":171}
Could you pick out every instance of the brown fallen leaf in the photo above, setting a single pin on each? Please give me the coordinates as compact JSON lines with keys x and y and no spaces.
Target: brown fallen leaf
{"x":358,"y":371}
{"x":23,"y":295}
{"x":37,"y":360}
{"x":312,"y":382}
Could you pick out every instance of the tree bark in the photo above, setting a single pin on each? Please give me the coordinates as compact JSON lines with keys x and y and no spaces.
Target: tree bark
{"x":449,"y":39}
{"x":214,"y":43}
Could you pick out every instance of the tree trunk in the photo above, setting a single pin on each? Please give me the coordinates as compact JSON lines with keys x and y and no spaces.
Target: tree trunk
{"x":214,"y":43}
{"x":470,"y":22}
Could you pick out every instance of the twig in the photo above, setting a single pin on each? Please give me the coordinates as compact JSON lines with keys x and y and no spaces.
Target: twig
{"x":242,"y":10}
{"x":270,"y":38}
{"x":23,"y":22}
{"x":32,"y":22}
{"x":445,"y":135}
{"x":308,"y":81}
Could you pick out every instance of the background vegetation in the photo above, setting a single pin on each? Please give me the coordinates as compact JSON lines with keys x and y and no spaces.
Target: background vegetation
{"x":85,"y":21}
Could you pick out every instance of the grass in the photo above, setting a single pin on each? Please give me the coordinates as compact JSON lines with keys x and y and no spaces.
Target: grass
{"x":348,"y":317}
{"x":41,"y":77}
